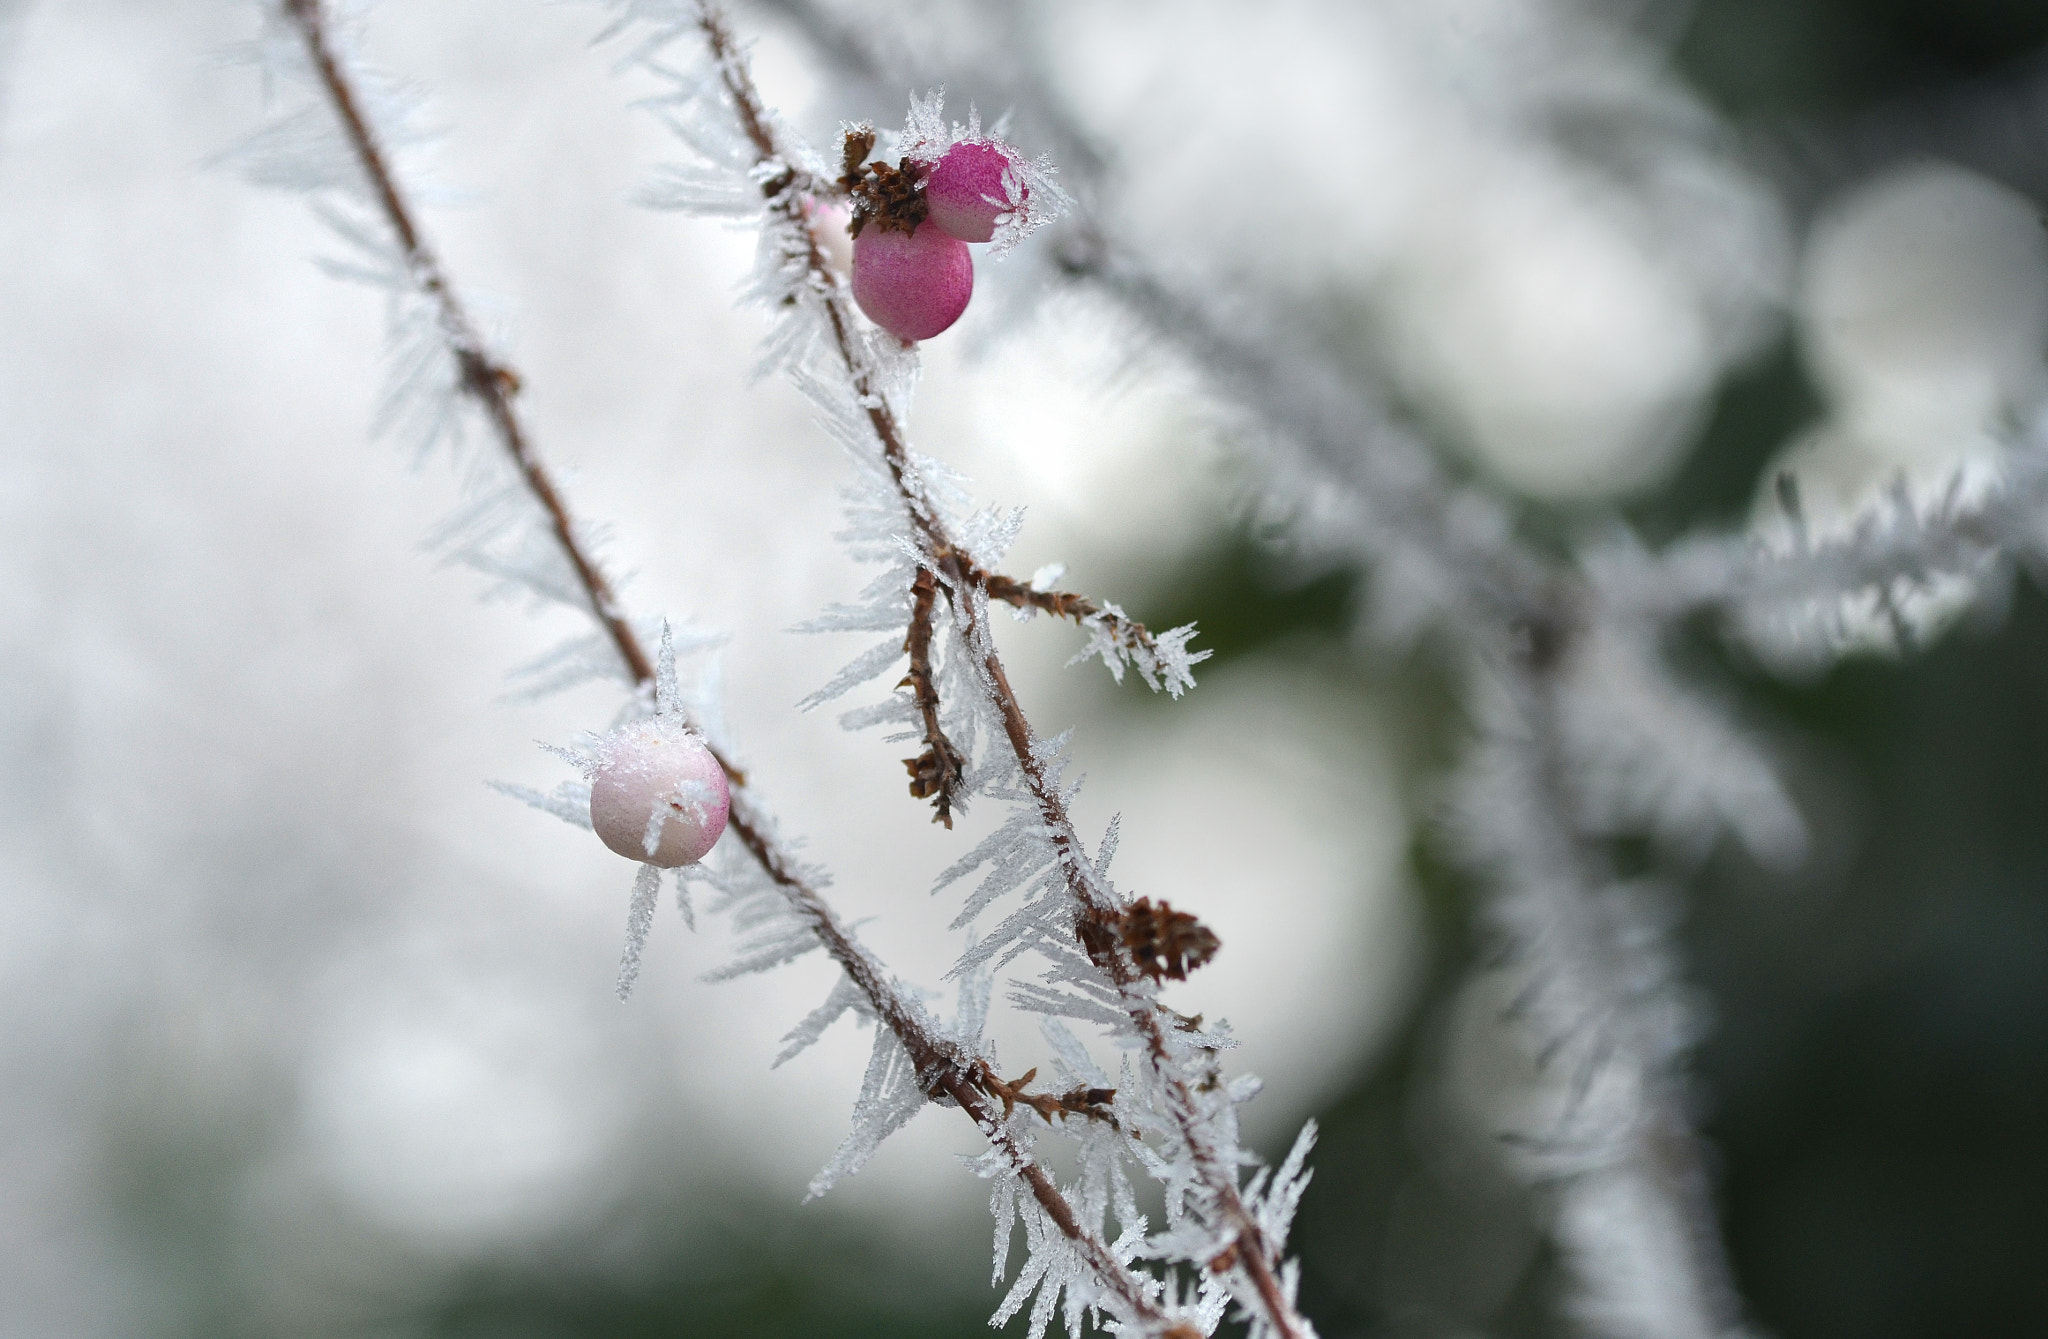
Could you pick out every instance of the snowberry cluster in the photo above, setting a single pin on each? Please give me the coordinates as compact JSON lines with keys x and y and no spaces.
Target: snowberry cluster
{"x":912,"y":271}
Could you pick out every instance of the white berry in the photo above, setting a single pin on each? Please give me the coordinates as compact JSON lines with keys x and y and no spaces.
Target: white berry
{"x":657,"y":795}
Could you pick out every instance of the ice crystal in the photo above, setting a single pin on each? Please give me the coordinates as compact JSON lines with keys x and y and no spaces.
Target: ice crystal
{"x":639,"y":920}
{"x":1649,"y":755}
{"x":889,"y":1096}
{"x":845,"y":998}
{"x":568,"y":801}
{"x":1165,"y":663}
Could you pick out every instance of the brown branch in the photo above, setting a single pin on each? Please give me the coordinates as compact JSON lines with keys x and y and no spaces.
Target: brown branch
{"x":490,"y":383}
{"x":1094,"y":904}
{"x":1094,"y":1103}
{"x":1060,"y":604}
{"x":1257,"y":1258}
{"x":939,"y":1064}
{"x":939,"y":770}
{"x":1064,"y":604}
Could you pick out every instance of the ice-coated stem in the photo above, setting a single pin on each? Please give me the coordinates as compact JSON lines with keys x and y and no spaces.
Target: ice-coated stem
{"x":486,"y":380}
{"x":938,"y":1061}
{"x":1218,"y":1174}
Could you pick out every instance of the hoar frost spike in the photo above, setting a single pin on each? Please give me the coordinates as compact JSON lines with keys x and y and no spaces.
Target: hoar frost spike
{"x":656,"y":793}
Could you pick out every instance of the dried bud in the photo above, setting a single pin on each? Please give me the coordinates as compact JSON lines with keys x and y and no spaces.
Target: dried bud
{"x":913,"y":284}
{"x":1164,"y":942}
{"x":657,"y":795}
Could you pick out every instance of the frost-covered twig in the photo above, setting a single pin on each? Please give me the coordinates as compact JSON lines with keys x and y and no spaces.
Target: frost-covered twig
{"x":1793,"y":585}
{"x":937,"y":772}
{"x":942,"y":1068}
{"x":1117,"y":637}
{"x":1231,"y":1237}
{"x":488,"y":382}
{"x":1599,"y":1121}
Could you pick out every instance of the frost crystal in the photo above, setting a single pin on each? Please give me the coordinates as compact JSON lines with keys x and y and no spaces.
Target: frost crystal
{"x":1165,"y":664}
{"x":889,"y":1096}
{"x":639,"y":920}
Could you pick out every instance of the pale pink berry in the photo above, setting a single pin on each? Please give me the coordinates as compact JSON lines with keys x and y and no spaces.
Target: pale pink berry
{"x":657,"y":795}
{"x":967,"y":189}
{"x":828,"y":220}
{"x":912,"y":284}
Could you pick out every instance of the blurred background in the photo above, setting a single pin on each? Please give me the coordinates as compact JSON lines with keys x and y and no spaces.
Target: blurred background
{"x":305,"y":1031}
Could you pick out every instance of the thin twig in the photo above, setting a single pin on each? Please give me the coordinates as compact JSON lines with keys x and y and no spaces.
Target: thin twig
{"x":1094,"y":1103}
{"x":939,"y":1064}
{"x":938,"y":771}
{"x":1061,"y":604}
{"x":1663,"y":1148}
{"x":1255,"y":1256}
{"x":490,"y":383}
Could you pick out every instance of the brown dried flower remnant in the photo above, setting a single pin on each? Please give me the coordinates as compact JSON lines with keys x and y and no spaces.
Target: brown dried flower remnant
{"x":860,"y":142}
{"x":892,"y":198}
{"x":1164,"y":943}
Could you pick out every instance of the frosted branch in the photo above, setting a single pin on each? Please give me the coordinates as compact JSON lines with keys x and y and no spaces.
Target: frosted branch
{"x":1601,"y":1121}
{"x":862,"y":412}
{"x":936,"y":773}
{"x":938,"y":1065}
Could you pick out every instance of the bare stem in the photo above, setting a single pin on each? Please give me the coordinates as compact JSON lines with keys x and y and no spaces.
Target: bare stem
{"x":939,"y":1064}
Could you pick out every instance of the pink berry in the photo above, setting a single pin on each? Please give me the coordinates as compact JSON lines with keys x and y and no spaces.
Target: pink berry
{"x":828,"y":220}
{"x":657,"y":766}
{"x":967,"y":192}
{"x":914,"y":284}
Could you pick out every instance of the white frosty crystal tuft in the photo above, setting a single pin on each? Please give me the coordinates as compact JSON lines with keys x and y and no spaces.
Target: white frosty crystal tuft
{"x":657,"y":794}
